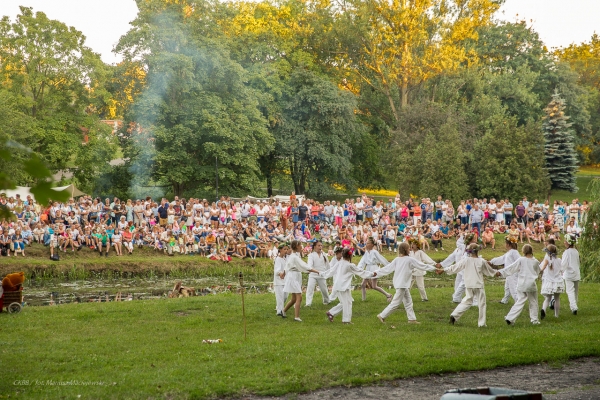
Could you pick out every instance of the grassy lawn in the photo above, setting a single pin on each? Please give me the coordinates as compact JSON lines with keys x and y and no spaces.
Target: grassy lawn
{"x":153,"y":349}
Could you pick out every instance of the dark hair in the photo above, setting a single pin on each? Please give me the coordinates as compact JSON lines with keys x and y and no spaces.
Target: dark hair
{"x":347,"y":254}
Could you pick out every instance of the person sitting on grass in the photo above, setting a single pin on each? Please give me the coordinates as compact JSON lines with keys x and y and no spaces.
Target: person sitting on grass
{"x":103,"y":242}
{"x":117,"y":242}
{"x":18,"y":243}
{"x":252,"y":249}
{"x":127,"y":237}
{"x":436,"y":240}
{"x":488,"y":238}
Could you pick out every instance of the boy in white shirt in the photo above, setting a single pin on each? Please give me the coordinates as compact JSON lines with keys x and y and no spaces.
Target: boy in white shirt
{"x":474,"y":268}
{"x":402,"y":267}
{"x":527,"y":270}
{"x":342,"y":272}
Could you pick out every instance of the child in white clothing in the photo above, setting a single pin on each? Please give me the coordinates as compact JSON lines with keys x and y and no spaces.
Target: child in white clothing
{"x":342,"y":272}
{"x":473,"y":269}
{"x":402,"y":267}
{"x":527,"y":270}
{"x":278,"y":278}
{"x":572,"y":274}
{"x":552,"y":281}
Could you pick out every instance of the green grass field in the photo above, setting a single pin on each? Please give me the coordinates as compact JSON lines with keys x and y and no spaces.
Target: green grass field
{"x":153,"y":349}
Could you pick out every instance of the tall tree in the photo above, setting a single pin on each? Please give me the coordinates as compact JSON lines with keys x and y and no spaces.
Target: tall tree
{"x":509,"y":161}
{"x":316,"y":133}
{"x":561,"y":159}
{"x":406,"y":42}
{"x":195,"y":109}
{"x":59,"y":82}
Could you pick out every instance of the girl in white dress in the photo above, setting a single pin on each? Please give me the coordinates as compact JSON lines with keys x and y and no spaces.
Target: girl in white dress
{"x":552,"y":281}
{"x":417,"y":275}
{"x":294,"y":266}
{"x":342,"y":272}
{"x":370,"y":262}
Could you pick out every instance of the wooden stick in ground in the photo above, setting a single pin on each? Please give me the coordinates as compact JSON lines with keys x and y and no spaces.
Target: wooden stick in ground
{"x":241,"y":276}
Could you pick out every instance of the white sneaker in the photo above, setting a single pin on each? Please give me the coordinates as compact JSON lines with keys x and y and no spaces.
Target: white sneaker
{"x":297,"y":319}
{"x":535,"y":323}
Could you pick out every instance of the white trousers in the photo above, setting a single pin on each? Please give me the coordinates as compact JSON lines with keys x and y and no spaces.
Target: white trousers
{"x":516,"y":309}
{"x":467,"y":303}
{"x":510,"y":288}
{"x":280,"y":297}
{"x":344,"y":306}
{"x":420,"y":285}
{"x":572,"y":288}
{"x":402,"y":296}
{"x":459,"y":288}
{"x":310,"y":289}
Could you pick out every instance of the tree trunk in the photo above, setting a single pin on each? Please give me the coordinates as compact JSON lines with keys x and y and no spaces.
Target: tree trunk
{"x":404,"y":95}
{"x":269,"y":184}
{"x":294,"y":177}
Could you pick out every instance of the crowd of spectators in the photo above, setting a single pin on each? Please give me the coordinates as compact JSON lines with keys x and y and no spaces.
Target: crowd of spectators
{"x":252,"y":228}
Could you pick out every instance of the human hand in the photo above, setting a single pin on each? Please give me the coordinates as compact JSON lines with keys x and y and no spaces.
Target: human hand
{"x":439,"y":271}
{"x":374,"y":274}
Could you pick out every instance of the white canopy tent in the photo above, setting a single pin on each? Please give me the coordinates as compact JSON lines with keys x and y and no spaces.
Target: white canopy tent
{"x":25,"y":191}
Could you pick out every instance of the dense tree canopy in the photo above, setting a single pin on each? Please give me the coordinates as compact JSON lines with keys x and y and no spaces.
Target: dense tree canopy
{"x":428,"y":97}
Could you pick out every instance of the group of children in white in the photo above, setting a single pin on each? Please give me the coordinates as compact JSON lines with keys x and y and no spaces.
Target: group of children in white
{"x":521,"y":273}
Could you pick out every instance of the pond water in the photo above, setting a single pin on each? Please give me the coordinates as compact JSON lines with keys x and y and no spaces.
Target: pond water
{"x":42,"y":292}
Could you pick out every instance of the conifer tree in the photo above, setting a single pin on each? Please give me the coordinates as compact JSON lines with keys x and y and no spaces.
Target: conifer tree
{"x":561,"y":159}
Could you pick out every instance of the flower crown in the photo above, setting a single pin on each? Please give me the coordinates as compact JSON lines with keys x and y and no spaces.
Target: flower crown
{"x":475,"y":250}
{"x":511,"y":239}
{"x":571,"y":239}
{"x":469,"y":237}
{"x":415,"y":241}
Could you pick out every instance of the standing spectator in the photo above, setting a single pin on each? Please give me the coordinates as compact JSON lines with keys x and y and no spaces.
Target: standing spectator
{"x":508,"y":211}
{"x":477,"y":217}
{"x":163,"y":213}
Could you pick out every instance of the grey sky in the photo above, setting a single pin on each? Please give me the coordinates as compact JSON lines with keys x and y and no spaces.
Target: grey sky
{"x":558,"y":22}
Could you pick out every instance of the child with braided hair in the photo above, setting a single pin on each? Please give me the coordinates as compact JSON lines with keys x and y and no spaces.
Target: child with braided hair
{"x":552,"y":280}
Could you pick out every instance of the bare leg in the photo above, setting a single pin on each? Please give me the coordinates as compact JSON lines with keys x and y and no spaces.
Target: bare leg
{"x":556,"y":304}
{"x":363,"y":286}
{"x":380,"y":290}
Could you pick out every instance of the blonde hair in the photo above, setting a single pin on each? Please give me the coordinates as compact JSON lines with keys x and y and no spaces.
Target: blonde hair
{"x":403,"y":249}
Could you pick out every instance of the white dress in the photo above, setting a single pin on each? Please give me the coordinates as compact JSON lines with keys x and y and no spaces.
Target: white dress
{"x":371,"y":260}
{"x":294,"y":266}
{"x":552,"y":280}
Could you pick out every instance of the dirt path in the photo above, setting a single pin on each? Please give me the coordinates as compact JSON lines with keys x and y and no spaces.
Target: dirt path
{"x":577,"y":379}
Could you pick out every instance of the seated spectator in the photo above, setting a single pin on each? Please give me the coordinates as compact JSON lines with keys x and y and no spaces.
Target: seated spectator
{"x":488,"y":238}
{"x":252,"y":249}
{"x":436,"y":240}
